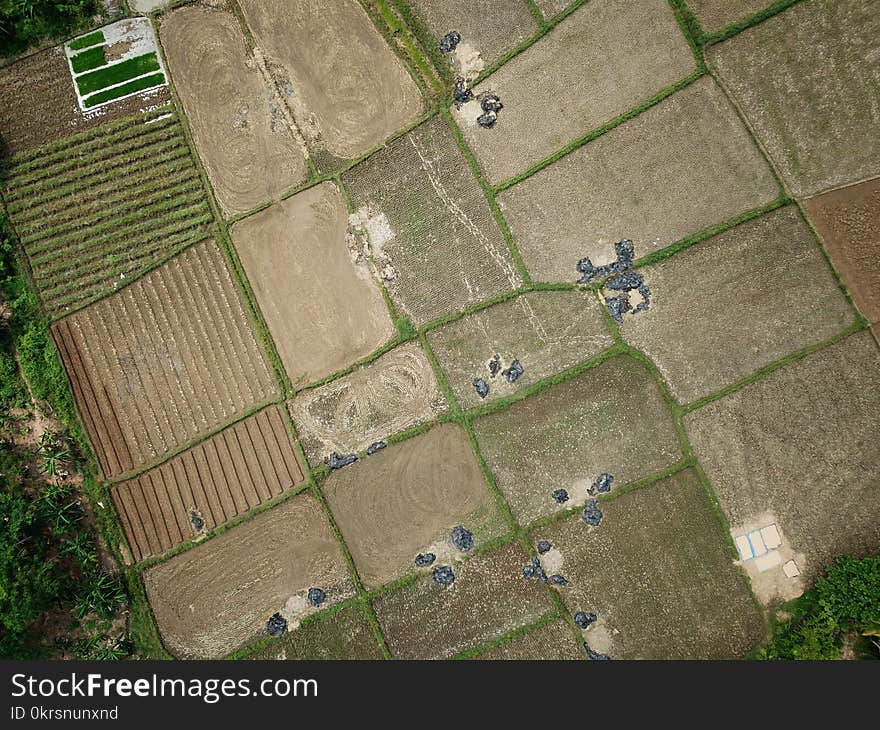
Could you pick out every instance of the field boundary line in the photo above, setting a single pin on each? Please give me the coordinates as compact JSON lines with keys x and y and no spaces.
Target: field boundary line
{"x":516,"y":633}
{"x":749,"y":21}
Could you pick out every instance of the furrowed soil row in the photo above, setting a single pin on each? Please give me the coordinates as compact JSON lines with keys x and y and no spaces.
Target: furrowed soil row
{"x":231,"y":473}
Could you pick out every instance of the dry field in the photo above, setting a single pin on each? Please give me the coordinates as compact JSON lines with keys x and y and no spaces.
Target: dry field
{"x":575,"y":79}
{"x":807,"y":81}
{"x":802,"y":444}
{"x":659,"y":575}
{"x":213,"y":599}
{"x":164,"y":361}
{"x":251,"y":154}
{"x":715,"y":15}
{"x":553,"y":642}
{"x":488,"y":599}
{"x":551,"y":8}
{"x":489,"y":27}
{"x":96,"y":210}
{"x":427,"y":216}
{"x":611,"y":418}
{"x":39,"y":103}
{"x":393,"y":393}
{"x":682,"y":166}
{"x":547,"y":331}
{"x":323,"y":311}
{"x":347,"y":90}
{"x":848,"y":220}
{"x":405,"y":500}
{"x":218,"y":480}
{"x":702,"y":328}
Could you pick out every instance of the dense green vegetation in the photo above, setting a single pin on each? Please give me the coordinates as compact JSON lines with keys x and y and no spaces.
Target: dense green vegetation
{"x":104,"y":77}
{"x":24,"y":22}
{"x":92,"y":58}
{"x":85,"y":41}
{"x":145,"y":82}
{"x":845,"y":601}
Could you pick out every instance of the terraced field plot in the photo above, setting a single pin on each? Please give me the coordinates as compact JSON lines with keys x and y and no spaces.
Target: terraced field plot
{"x":407,"y":498}
{"x":393,"y":393}
{"x":715,"y":15}
{"x":848,"y":220}
{"x":670,"y":593}
{"x":489,"y":598}
{"x":213,"y":599}
{"x":324,"y":311}
{"x":430,"y":223}
{"x":611,"y":419}
{"x":251,"y":153}
{"x":574,"y":79}
{"x":553,"y":642}
{"x":807,"y":81}
{"x":702,"y":328}
{"x":165,"y":360}
{"x":101,"y":208}
{"x":218,"y":480}
{"x":801,"y":444}
{"x":678,"y":168}
{"x":347,"y":90}
{"x":547,"y":331}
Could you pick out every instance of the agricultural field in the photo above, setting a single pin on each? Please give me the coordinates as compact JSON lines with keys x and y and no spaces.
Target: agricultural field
{"x":347,"y":90}
{"x":608,"y":190}
{"x":247,"y":145}
{"x":98,"y":209}
{"x":551,"y":8}
{"x":610,"y":419}
{"x":848,"y":220}
{"x":489,"y":28}
{"x":222,"y":478}
{"x":395,"y":392}
{"x":799,"y":446}
{"x":673,"y":592}
{"x":716,"y":15}
{"x":701,"y":329}
{"x":489,"y":599}
{"x":212,"y":600}
{"x":324,"y":309}
{"x":575,"y":79}
{"x":429,"y":226}
{"x":164,"y":361}
{"x":553,"y":642}
{"x":407,"y":498}
{"x":820,"y":128}
{"x":547,"y":331}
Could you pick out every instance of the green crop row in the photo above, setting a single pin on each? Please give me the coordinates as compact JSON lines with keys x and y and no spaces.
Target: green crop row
{"x":117,"y":73}
{"x":144,"y":82}
{"x":87,"y":60}
{"x":85,"y":41}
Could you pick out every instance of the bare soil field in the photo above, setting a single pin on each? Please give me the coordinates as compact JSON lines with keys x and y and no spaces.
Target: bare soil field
{"x":575,"y":79}
{"x":488,"y":599}
{"x":346,"y":89}
{"x":725,"y":308}
{"x":96,"y":210}
{"x":553,"y":642}
{"x":393,"y":393}
{"x":716,"y":15}
{"x":39,"y":103}
{"x":611,"y":419}
{"x":240,"y":468}
{"x":802,"y":444}
{"x":807,"y":81}
{"x":659,"y":575}
{"x":552,"y":8}
{"x":682,"y":166}
{"x":164,"y":361}
{"x":429,"y":226}
{"x":211,"y":600}
{"x":344,"y":635}
{"x":324,"y":311}
{"x":251,"y":154}
{"x":405,"y":500}
{"x":848,"y":220}
{"x":547,"y":331}
{"x":488,"y":27}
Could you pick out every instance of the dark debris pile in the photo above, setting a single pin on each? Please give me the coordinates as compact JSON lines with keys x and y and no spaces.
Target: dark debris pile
{"x":595,"y":655}
{"x":337,"y":462}
{"x":462,"y":539}
{"x":276,"y":625}
{"x":443,"y":575}
{"x":423,"y":560}
{"x":623,"y":280}
{"x":560,"y":496}
{"x":376,"y":446}
{"x":511,"y":374}
{"x":592,"y":514}
{"x":196,"y":521}
{"x":602,"y":485}
{"x":316,"y":597}
{"x":450,"y":41}
{"x":544,"y":546}
{"x":490,"y":104}
{"x":584,"y":619}
{"x":482,"y":387}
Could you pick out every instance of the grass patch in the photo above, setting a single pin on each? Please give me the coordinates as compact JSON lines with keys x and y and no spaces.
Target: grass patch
{"x":92,"y":39}
{"x":145,"y":82}
{"x":101,"y":79}
{"x":87,"y":60}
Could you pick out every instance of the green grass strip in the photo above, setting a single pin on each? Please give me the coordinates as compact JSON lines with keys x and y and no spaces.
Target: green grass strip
{"x":748,"y":22}
{"x":87,"y":60}
{"x":92,"y":39}
{"x":140,"y":84}
{"x":102,"y":78}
